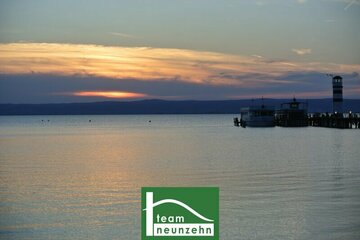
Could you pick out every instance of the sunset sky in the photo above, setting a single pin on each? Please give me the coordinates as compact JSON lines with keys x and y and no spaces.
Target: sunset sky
{"x":79,"y":51}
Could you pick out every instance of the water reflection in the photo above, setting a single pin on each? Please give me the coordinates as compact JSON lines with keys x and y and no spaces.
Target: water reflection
{"x":71,"y":179}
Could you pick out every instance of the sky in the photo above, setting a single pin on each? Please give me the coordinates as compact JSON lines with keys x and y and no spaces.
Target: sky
{"x":88,"y":50}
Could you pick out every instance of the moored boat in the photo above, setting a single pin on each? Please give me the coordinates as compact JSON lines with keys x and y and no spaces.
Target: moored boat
{"x":292,"y":114}
{"x":258,"y":116}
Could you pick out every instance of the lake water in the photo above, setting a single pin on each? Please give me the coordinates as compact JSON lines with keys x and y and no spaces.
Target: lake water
{"x":68,"y":178}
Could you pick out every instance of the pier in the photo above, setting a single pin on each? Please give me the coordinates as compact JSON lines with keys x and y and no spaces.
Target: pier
{"x":335,"y":120}
{"x":295,"y":114}
{"x":326,"y":120}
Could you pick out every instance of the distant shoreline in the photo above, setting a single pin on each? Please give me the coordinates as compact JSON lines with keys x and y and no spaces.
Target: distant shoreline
{"x":147,"y":107}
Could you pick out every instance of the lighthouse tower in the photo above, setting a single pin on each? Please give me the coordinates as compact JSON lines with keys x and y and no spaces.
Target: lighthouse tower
{"x":337,"y":94}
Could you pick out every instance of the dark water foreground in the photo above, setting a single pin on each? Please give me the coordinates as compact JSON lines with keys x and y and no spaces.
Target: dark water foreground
{"x":68,"y":178}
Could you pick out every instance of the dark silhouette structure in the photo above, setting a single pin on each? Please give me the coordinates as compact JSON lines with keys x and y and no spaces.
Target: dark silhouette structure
{"x":292,"y":114}
{"x":337,"y":94}
{"x":335,"y":120}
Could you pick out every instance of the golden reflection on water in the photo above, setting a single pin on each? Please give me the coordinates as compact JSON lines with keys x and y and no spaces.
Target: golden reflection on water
{"x":72,"y":179}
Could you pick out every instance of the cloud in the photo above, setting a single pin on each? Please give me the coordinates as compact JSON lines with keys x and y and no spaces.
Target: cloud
{"x":43,"y":69}
{"x":350,"y":3}
{"x":257,"y":56}
{"x":40,"y":88}
{"x":301,"y":1}
{"x":122,"y":35}
{"x":301,"y":51}
{"x":146,"y":64}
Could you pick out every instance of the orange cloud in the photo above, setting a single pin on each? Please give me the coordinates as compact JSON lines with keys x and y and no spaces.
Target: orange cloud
{"x":144,"y":64}
{"x":108,"y":94}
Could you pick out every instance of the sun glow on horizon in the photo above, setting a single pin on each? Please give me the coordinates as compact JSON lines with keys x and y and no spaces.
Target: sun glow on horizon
{"x":108,"y":94}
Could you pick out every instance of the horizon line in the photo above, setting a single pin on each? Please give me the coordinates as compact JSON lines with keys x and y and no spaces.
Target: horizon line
{"x":180,"y":100}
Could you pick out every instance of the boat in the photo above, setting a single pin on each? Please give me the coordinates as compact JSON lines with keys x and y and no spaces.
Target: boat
{"x":292,"y":114}
{"x":258,"y":116}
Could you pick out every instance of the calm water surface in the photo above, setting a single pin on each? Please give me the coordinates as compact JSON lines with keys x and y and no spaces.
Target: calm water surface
{"x":68,"y":178}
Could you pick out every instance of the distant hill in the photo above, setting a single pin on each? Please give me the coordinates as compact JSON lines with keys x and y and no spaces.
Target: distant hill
{"x":162,"y":107}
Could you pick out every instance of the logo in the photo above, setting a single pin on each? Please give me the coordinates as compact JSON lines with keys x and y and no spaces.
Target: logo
{"x":180,"y":213}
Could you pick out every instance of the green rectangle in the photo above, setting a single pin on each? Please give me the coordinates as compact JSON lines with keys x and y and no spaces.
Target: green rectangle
{"x":180,"y":213}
